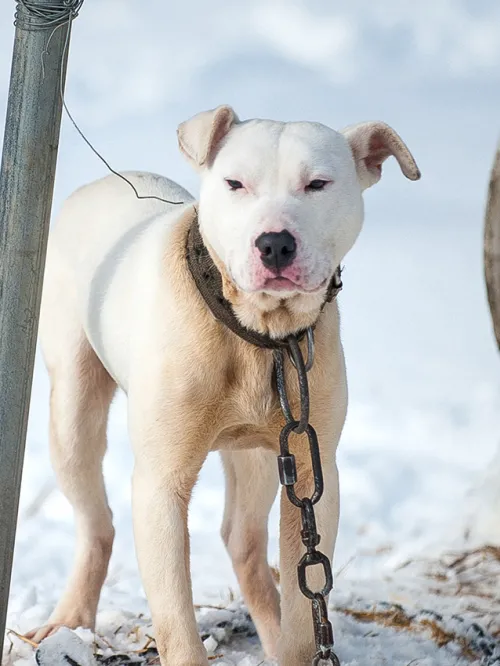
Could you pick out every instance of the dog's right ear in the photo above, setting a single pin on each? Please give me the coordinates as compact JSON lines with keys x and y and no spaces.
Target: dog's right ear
{"x":200,"y":135}
{"x":371,"y":144}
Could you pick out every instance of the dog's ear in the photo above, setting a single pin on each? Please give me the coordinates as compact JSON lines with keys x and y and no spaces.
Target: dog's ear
{"x":200,"y":135}
{"x":371,"y":144}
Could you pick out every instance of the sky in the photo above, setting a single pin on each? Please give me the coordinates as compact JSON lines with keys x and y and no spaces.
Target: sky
{"x":422,"y":363}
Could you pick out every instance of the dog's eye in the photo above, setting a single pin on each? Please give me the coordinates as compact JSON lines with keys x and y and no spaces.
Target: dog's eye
{"x":316,"y":184}
{"x":234,"y":184}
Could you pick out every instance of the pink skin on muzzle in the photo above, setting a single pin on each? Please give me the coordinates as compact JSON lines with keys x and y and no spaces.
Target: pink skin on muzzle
{"x":290,"y":278}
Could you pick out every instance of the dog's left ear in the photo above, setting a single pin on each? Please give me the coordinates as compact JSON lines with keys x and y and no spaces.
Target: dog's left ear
{"x":200,"y":136}
{"x":371,"y":144}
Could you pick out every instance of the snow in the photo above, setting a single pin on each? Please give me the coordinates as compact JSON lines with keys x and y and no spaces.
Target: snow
{"x":66,"y":643}
{"x":419,"y":455}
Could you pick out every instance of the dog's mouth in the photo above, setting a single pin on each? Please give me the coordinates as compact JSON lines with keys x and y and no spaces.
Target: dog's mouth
{"x":280,"y":283}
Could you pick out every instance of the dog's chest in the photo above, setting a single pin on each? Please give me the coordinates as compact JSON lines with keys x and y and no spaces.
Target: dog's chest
{"x":251,"y":413}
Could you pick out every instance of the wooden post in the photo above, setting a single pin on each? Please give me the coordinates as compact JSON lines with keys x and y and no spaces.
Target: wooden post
{"x":492,"y":246}
{"x":26,"y":187}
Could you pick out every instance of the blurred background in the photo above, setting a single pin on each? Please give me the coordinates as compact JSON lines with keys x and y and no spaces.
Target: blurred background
{"x":423,"y":369}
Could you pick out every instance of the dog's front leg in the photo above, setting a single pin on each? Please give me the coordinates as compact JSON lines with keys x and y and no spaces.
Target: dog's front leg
{"x":166,"y":468}
{"x":297,"y":646}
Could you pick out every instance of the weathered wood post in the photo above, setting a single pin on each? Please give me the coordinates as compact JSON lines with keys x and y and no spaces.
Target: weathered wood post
{"x":26,"y":186}
{"x":492,"y":245}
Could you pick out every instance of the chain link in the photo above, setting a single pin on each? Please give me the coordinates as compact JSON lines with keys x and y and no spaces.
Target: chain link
{"x":323,"y":631}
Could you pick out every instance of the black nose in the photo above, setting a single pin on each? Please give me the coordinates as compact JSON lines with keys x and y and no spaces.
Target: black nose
{"x":277,"y":250}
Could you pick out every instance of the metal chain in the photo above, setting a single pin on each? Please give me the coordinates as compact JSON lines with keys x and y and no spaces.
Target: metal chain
{"x":323,"y":631}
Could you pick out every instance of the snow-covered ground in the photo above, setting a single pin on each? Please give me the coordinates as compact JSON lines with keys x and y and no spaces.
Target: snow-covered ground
{"x":417,"y":458}
{"x":431,"y":613}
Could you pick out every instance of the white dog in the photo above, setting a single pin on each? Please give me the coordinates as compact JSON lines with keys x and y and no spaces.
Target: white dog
{"x":280,"y":206}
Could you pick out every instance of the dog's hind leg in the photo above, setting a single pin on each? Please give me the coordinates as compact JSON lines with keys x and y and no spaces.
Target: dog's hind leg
{"x":81,"y":393}
{"x":251,"y":486}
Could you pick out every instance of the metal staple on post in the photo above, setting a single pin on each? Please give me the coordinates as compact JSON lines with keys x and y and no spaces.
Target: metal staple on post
{"x":26,"y":187}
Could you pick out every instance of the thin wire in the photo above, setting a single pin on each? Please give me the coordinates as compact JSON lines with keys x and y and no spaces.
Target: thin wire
{"x":54,"y":15}
{"x":51,"y":14}
{"x":45,"y":51}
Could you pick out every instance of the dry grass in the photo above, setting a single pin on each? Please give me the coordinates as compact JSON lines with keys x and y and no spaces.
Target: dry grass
{"x":397,"y":618}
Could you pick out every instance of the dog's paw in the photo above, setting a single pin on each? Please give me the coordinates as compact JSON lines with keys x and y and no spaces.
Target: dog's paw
{"x":73,"y":617}
{"x":41,"y":633}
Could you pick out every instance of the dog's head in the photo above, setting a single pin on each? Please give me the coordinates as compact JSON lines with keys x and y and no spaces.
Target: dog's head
{"x":281,"y":205}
